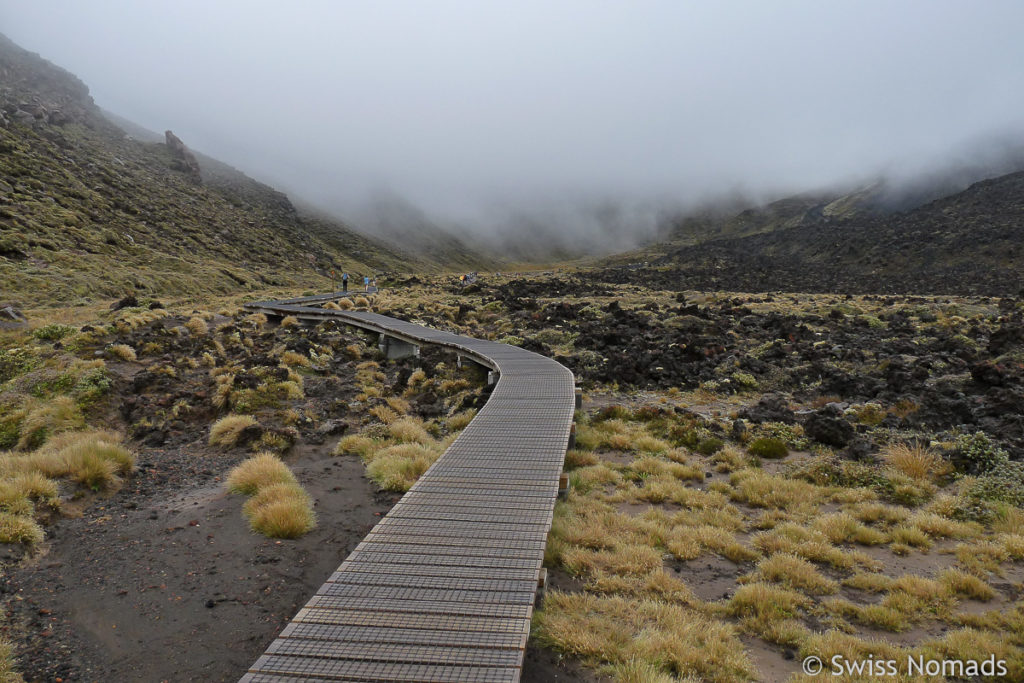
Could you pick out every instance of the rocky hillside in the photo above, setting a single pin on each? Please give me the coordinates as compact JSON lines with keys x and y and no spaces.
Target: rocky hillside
{"x":88,"y":212}
{"x":966,"y":243}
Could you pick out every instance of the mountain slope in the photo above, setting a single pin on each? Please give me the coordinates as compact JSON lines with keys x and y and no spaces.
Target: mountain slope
{"x":86,"y":212}
{"x":966,"y":243}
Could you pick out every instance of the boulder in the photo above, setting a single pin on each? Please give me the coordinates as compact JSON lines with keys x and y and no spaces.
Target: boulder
{"x":771,"y":408}
{"x":183,"y":159}
{"x":827,"y":426}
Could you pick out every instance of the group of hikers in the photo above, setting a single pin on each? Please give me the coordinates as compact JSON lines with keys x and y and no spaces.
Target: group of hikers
{"x":368,"y":283}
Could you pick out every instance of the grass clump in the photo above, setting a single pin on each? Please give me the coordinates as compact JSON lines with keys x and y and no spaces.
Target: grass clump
{"x":460,"y":421}
{"x":768,"y":447}
{"x":42,"y":420}
{"x":261,"y":470}
{"x":357,"y":444}
{"x":409,"y":430}
{"x":197,"y":326}
{"x":663,"y":641}
{"x":917,"y":462}
{"x":761,"y":489}
{"x":19,"y":529}
{"x":793,"y":572}
{"x":123,"y":352}
{"x":396,"y":468}
{"x":278,"y":507}
{"x":226,"y":431}
{"x":290,"y":516}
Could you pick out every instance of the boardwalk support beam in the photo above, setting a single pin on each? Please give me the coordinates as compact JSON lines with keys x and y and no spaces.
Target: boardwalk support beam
{"x":394,"y":349}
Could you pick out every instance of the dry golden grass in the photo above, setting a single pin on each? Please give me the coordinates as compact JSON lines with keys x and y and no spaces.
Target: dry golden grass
{"x":123,"y":352}
{"x":409,"y":430}
{"x":42,"y":420}
{"x":973,"y":644}
{"x":917,"y":462}
{"x":19,"y":529}
{"x":289,"y":321}
{"x":361,"y":302}
{"x":384,"y":413}
{"x":356,"y":444}
{"x":622,"y":632}
{"x":576,"y":458}
{"x":396,"y":468}
{"x":94,"y":459}
{"x":257,"y":320}
{"x":418,"y":376}
{"x":793,"y":572}
{"x":966,"y":585}
{"x":288,"y":517}
{"x":345,"y":304}
{"x":36,"y":486}
{"x":769,"y":612}
{"x":197,"y":326}
{"x":226,"y":431}
{"x":292,"y":359}
{"x":274,"y":493}
{"x":809,"y":544}
{"x":257,"y":472}
{"x":761,"y":489}
{"x":842,"y":527}
{"x":398,"y":404}
{"x":460,"y":421}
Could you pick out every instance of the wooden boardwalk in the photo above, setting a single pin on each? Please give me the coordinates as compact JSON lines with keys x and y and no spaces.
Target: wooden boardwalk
{"x":443,"y":588}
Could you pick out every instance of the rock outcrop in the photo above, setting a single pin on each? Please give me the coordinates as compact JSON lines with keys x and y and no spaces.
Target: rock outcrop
{"x":182,"y":159}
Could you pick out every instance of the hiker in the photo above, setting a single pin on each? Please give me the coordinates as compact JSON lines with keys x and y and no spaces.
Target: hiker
{"x":344,"y":282}
{"x":366,"y":283}
{"x":462,"y":280}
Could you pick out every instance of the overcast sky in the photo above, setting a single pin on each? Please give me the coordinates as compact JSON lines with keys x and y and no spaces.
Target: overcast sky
{"x":463,"y":105}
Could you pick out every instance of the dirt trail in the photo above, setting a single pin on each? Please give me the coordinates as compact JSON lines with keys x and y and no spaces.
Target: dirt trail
{"x":178,"y":588}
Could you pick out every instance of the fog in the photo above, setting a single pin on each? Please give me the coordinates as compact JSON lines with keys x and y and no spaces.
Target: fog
{"x":582,"y":118}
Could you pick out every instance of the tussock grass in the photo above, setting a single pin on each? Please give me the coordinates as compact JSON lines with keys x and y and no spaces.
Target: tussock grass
{"x":226,"y":431}
{"x":762,"y":489}
{"x":19,"y":529}
{"x":966,"y":585}
{"x":578,"y":458}
{"x":356,"y":444}
{"x":809,"y":544}
{"x":42,"y":420}
{"x":396,"y":468}
{"x":975,"y":644}
{"x":278,"y":507}
{"x":292,"y":359}
{"x":345,"y":304}
{"x":642,"y":635}
{"x":460,"y":421}
{"x":197,"y":326}
{"x":257,"y":472}
{"x":769,"y":612}
{"x":289,"y":321}
{"x":409,"y":430}
{"x":793,"y":572}
{"x":398,"y":404}
{"x":384,"y":413}
{"x":917,"y":462}
{"x":842,"y":527}
{"x":122,"y":352}
{"x":280,"y":510}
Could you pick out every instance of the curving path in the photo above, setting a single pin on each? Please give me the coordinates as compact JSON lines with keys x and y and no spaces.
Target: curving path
{"x":443,"y":588}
